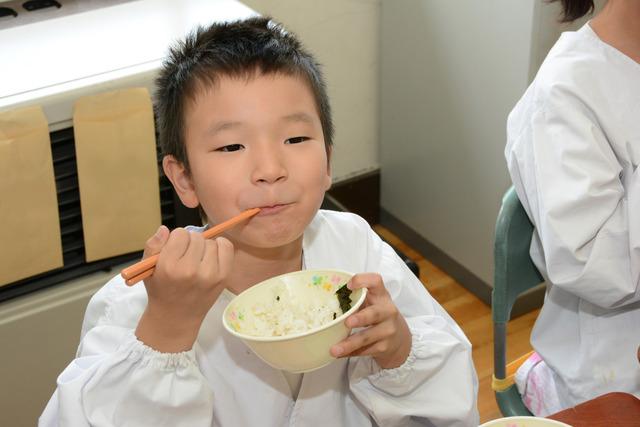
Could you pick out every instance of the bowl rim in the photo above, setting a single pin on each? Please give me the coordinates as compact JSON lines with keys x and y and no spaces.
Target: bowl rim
{"x":524,"y":418}
{"x":356,"y":305}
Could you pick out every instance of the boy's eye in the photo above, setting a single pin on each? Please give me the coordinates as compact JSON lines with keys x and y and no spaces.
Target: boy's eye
{"x":231,"y":147}
{"x":297,"y":140}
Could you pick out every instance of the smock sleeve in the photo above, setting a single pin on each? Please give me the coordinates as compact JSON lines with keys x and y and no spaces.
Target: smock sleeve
{"x":116,"y":380}
{"x":437,"y":385}
{"x":583,"y":199}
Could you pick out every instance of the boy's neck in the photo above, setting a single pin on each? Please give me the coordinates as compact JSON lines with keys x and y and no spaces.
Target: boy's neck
{"x":253,"y":265}
{"x":617,"y":25}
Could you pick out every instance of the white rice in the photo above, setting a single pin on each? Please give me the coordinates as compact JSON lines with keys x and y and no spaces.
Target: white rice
{"x":284,"y":314}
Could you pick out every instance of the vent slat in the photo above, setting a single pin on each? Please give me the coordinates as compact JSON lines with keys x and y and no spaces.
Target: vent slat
{"x":70,"y":215}
{"x":75,"y":246}
{"x":62,"y":135}
{"x":71,"y":228}
{"x":68,"y":199}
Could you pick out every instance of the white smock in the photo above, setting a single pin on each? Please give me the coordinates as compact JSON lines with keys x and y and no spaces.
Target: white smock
{"x":573,"y":150}
{"x":116,"y":380}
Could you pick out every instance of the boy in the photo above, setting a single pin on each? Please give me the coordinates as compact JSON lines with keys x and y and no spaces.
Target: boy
{"x":244,"y":121}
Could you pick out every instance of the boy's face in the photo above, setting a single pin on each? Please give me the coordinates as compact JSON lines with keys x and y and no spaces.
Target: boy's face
{"x":255,"y":143}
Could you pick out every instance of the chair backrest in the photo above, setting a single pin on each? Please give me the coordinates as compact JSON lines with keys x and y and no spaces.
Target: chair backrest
{"x":514,"y":272}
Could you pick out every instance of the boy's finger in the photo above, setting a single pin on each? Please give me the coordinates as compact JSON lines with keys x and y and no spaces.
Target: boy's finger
{"x":371,"y":315}
{"x":176,"y":245}
{"x":218,"y":258}
{"x":225,"y":257}
{"x":195,"y":249}
{"x":372,"y":281}
{"x":156,"y":242}
{"x":357,"y":341}
{"x":367,"y":350}
{"x":371,"y":349}
{"x":210,"y":262}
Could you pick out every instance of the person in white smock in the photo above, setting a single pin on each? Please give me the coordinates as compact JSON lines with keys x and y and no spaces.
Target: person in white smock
{"x":244,"y":122}
{"x":573,"y":150}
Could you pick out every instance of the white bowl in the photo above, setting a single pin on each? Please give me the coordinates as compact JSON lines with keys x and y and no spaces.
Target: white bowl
{"x":299,"y":352}
{"x":524,"y":422}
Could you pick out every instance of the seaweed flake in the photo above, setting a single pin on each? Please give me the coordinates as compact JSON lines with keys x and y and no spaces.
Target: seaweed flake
{"x":344,"y":299}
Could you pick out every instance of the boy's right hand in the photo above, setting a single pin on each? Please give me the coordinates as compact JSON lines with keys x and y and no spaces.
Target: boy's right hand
{"x":184,"y":286}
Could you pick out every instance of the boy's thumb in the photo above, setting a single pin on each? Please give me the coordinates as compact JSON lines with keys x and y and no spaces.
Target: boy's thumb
{"x":156,"y":242}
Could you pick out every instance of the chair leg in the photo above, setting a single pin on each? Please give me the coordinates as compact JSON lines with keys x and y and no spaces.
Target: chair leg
{"x":510,"y":403}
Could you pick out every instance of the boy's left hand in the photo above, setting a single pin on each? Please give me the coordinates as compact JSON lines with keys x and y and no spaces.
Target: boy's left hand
{"x":387,"y":337}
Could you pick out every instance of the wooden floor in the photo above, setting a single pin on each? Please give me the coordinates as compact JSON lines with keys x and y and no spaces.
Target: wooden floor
{"x":474,"y":317}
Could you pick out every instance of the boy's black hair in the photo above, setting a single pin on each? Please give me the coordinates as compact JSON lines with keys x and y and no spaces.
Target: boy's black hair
{"x":574,"y":9}
{"x":235,"y":49}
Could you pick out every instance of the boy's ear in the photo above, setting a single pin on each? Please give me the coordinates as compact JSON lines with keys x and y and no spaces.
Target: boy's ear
{"x":329,"y":180}
{"x":181,"y":180}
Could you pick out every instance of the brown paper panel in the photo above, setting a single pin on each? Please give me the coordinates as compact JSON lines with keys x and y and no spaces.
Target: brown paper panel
{"x":117,"y":171}
{"x":29,"y":226}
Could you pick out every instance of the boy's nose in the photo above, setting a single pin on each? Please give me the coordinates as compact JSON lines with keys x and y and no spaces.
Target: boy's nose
{"x":269,"y":167}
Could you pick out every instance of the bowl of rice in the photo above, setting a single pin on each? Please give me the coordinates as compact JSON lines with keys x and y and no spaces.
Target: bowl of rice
{"x":291,"y":321}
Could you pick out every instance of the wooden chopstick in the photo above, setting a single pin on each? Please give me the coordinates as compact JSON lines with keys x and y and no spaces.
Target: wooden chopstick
{"x":145,"y":268}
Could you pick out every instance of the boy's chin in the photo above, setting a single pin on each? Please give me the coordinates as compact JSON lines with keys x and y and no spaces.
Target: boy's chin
{"x":275,"y":241}
{"x":272,"y":239}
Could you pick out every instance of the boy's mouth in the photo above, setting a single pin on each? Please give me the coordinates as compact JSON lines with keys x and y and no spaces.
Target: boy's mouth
{"x":273,"y":209}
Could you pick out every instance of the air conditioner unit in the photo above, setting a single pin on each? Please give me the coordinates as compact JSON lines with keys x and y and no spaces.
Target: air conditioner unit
{"x":54,"y":55}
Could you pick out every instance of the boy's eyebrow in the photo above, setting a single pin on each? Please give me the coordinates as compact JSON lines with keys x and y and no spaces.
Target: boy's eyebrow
{"x":298,"y":117}
{"x":224,"y":125}
{"x":220,"y":126}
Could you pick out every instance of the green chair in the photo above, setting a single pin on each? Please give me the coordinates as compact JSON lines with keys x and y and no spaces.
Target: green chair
{"x":514,"y":274}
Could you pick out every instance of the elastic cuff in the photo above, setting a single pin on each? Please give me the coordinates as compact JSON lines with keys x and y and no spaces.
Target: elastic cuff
{"x":146,"y":355}
{"x":401,"y":373}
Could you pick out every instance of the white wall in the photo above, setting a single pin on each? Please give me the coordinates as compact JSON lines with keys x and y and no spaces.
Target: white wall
{"x":344,"y":37}
{"x":450,"y":74}
{"x":39,"y":335}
